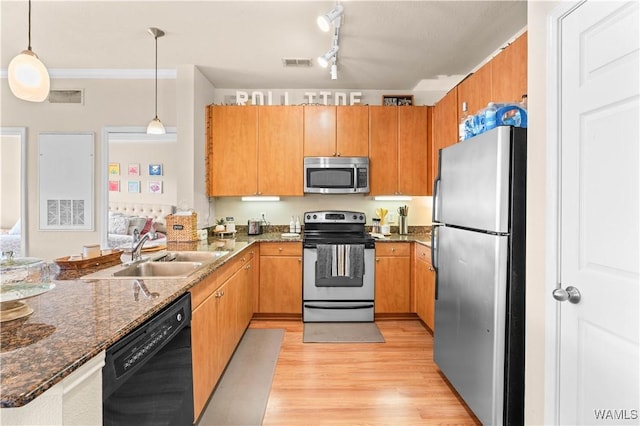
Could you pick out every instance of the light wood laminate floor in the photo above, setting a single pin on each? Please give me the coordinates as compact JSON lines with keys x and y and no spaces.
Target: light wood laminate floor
{"x":391,"y":383}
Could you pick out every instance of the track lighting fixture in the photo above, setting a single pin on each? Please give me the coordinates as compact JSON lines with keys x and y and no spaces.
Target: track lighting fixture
{"x":323,"y":60}
{"x":27,"y":75}
{"x":325,"y":21}
{"x":156,"y":127}
{"x":334,"y":70}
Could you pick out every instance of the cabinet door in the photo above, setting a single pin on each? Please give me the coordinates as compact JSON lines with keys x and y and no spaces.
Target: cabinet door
{"x":319,"y":131}
{"x":352,"y":131}
{"x":245,"y":296}
{"x":226,"y":322}
{"x":413,"y":151}
{"x":393,"y":278}
{"x":475,"y":90}
{"x":232,"y":150}
{"x":445,"y":126}
{"x":204,"y":355}
{"x":281,"y":282}
{"x":383,"y":150}
{"x":280,"y":163}
{"x":509,"y":72}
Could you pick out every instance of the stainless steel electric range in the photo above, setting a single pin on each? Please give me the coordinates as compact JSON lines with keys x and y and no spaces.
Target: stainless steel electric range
{"x":338,"y":283}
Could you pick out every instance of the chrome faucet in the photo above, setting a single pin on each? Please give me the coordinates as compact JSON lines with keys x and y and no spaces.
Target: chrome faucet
{"x":136,"y":245}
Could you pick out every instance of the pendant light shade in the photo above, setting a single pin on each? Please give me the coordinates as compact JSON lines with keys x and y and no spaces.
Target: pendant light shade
{"x":28,"y":77}
{"x":155,"y":127}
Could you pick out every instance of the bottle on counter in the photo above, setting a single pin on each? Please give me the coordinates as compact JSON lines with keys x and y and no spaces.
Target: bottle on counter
{"x":490,"y":120}
{"x":297,"y":225}
{"x":292,"y":226}
{"x":463,"y":126}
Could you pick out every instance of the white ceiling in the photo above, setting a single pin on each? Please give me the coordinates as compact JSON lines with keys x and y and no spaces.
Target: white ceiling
{"x":386,"y":45}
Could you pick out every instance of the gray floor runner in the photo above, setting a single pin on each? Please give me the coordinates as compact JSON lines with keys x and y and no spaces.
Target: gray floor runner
{"x":243,"y":391}
{"x":342,"y":332}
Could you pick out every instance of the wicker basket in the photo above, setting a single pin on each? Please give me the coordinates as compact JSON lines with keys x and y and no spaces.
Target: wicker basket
{"x":182,"y":228}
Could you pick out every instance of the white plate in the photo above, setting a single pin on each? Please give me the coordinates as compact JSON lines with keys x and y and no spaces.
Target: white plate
{"x":290,"y":234}
{"x":19,"y":291}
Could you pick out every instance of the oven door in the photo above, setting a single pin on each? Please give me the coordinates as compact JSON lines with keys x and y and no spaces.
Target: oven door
{"x":337,"y":288}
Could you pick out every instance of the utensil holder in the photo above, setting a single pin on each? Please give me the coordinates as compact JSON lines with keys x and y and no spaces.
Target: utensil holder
{"x":403,"y":225}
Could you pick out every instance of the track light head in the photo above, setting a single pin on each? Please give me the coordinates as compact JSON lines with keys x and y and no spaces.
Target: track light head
{"x":325,"y":21}
{"x":334,"y":71}
{"x":323,"y":60}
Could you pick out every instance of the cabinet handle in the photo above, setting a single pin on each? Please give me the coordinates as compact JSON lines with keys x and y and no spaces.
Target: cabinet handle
{"x":251,"y":252}
{"x":377,"y":259}
{"x":219,"y":294}
{"x":279,"y":248}
{"x":300,"y":259}
{"x":339,"y":154}
{"x":242,"y":259}
{"x":393,"y":249}
{"x":247,"y":267}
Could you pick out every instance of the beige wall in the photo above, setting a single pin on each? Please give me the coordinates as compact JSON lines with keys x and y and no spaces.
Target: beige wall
{"x":536,"y":205}
{"x":10,"y":161}
{"x":280,"y":212}
{"x":119,"y":102}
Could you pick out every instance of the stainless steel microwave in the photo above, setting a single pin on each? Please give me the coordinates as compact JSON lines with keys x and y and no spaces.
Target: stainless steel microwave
{"x":336,"y":175}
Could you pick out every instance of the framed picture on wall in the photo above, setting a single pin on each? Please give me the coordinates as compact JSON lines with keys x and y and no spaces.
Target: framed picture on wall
{"x":155,"y":169}
{"x":114,"y":169}
{"x":114,"y":186}
{"x":134,"y":169}
{"x":133,"y":186}
{"x":155,"y":186}
{"x":399,"y":100}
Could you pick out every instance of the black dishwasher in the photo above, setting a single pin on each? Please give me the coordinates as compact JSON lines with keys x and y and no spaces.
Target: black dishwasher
{"x":147,"y":377}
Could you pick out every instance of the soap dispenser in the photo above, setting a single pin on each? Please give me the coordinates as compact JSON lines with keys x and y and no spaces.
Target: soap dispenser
{"x":298,"y":227}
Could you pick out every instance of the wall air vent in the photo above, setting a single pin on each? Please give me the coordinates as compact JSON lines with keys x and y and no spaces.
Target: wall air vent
{"x":66,"y":97}
{"x":296,"y":62}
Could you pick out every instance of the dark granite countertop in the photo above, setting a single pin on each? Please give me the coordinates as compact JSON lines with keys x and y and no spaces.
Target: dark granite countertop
{"x":78,"y":319}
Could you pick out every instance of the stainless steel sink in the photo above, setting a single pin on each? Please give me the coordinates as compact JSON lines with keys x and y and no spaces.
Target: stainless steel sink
{"x":191,"y":256}
{"x":159,"y":269}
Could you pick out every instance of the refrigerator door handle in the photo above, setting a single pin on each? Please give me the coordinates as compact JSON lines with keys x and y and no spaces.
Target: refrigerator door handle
{"x":434,"y":252}
{"x":435,"y":211}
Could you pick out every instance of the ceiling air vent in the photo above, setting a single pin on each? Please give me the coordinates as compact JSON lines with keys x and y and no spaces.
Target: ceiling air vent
{"x":296,"y":62}
{"x":65,"y":96}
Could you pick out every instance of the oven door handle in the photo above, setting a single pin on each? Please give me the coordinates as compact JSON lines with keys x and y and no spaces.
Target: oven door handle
{"x":367,"y":306}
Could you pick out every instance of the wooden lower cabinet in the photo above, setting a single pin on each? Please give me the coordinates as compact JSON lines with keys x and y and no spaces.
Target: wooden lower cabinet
{"x":393,"y":278}
{"x":222,"y":307}
{"x":280,"y":278}
{"x":425,"y":285}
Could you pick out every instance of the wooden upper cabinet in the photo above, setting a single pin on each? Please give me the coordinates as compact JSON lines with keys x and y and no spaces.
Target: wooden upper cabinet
{"x":336,"y":131}
{"x":319,"y":130}
{"x":232,"y":150}
{"x":352,"y":131}
{"x":475,"y":90}
{"x":413,"y":151}
{"x":383,"y":150}
{"x":509,"y":72}
{"x":445,"y":126}
{"x":280,"y":162}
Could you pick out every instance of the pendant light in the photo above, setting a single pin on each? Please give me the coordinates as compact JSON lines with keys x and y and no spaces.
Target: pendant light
{"x":155,"y":127}
{"x":27,"y":75}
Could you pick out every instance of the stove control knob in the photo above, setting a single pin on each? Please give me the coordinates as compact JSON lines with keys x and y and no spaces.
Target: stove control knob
{"x":361,"y":217}
{"x":315,"y":216}
{"x":308,"y":216}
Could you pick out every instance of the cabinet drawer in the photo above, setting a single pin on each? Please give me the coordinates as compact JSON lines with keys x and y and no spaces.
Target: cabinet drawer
{"x":423,"y":253}
{"x":203,"y":289}
{"x":233,"y":265}
{"x":392,"y":249}
{"x":281,"y":249}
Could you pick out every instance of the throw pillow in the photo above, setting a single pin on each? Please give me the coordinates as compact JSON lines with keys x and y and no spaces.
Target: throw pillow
{"x":136,"y":223}
{"x":118,"y":224}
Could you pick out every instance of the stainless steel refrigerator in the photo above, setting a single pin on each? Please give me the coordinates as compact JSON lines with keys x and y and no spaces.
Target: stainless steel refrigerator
{"x":478,"y":248}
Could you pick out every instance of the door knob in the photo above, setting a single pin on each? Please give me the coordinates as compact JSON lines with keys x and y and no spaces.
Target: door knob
{"x":571,"y":294}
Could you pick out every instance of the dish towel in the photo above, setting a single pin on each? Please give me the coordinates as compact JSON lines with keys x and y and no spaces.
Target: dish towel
{"x":325,"y":261}
{"x":356,"y":261}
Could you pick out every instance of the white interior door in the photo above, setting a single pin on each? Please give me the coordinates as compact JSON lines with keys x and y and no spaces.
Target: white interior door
{"x":598,"y":380}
